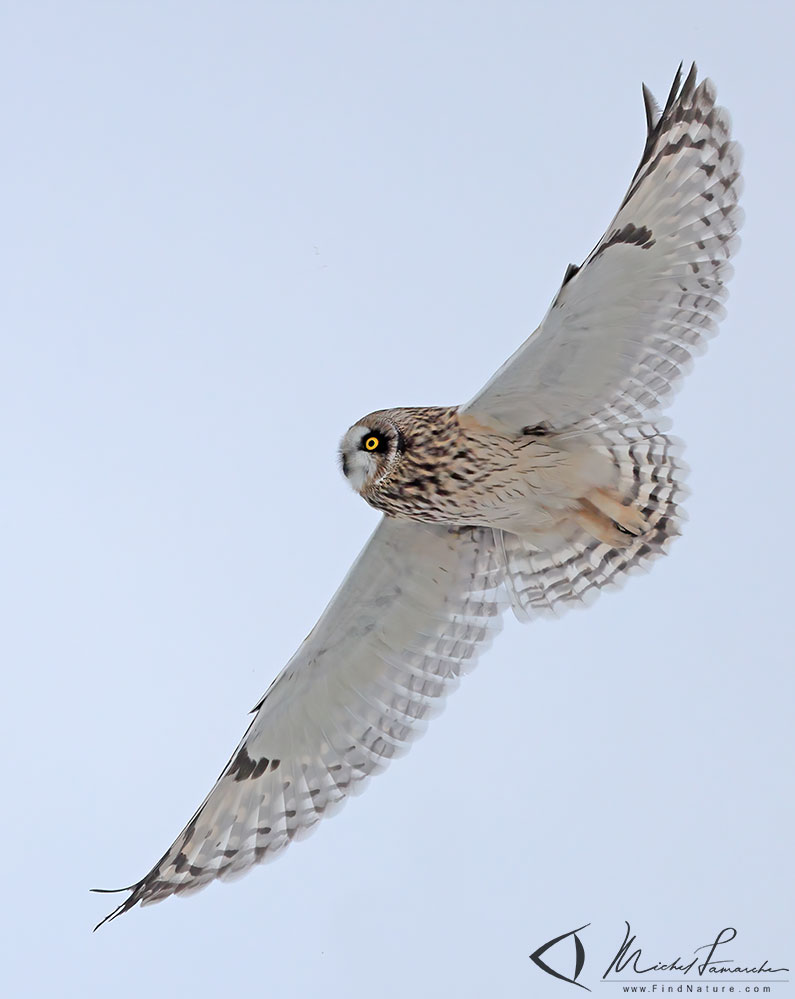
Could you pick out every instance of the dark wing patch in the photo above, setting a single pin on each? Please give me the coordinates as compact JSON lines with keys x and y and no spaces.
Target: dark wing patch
{"x":631,"y":235}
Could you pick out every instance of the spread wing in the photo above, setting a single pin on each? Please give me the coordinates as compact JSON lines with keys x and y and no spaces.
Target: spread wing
{"x":622,"y":329}
{"x":417,"y":607}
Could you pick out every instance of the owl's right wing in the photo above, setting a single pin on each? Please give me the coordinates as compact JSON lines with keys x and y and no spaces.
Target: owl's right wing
{"x":623,"y":327}
{"x":417,"y":607}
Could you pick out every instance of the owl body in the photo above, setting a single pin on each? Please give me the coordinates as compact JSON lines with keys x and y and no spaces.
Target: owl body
{"x":441,"y":465}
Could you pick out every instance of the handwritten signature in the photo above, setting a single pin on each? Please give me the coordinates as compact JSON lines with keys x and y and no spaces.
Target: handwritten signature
{"x":709,"y":964}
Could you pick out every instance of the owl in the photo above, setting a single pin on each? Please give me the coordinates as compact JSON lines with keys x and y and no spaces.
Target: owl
{"x":554,"y":481}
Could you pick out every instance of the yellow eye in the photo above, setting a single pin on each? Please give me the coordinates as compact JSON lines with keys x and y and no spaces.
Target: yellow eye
{"x":371,"y":443}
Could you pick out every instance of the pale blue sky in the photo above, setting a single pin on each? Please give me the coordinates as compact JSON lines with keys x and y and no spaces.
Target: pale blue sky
{"x":230,"y":231}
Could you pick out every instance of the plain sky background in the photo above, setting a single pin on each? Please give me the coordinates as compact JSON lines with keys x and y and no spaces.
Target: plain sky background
{"x":230,"y":230}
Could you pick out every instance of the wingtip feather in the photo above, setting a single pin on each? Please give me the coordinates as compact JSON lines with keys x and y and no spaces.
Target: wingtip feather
{"x":120,"y":909}
{"x":652,"y":108}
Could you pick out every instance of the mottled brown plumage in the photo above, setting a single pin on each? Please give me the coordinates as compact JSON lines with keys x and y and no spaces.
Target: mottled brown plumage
{"x":441,"y":465}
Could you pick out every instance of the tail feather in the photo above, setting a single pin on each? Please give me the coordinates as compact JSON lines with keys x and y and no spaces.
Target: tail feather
{"x":619,"y":532}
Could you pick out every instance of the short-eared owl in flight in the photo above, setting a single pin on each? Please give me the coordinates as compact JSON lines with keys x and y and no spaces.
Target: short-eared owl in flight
{"x":553,"y":482}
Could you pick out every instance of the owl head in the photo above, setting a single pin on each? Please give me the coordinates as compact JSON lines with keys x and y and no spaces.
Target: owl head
{"x":371,"y":451}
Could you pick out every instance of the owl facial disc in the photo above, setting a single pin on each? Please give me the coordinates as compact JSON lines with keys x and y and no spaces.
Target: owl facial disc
{"x":370,"y":451}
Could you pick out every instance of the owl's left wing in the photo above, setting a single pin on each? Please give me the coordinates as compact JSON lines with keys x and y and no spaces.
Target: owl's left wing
{"x":623,"y":327}
{"x":417,"y":607}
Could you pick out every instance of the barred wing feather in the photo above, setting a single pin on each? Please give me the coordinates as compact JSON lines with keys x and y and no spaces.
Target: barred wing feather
{"x":418,"y":606}
{"x":623,"y":327}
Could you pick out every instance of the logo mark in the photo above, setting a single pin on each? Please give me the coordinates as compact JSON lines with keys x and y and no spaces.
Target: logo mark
{"x":579,"y":957}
